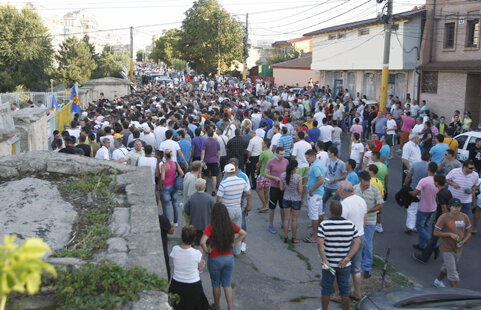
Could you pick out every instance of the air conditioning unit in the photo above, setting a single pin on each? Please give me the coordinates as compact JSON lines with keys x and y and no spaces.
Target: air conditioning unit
{"x":461,"y":20}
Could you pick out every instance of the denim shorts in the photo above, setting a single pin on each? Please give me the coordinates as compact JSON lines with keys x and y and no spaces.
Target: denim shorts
{"x":294,"y":205}
{"x":356,"y":261}
{"x":342,"y":275}
{"x":220,"y":270}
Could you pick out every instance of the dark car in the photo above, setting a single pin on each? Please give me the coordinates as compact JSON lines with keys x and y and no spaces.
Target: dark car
{"x":421,"y":298}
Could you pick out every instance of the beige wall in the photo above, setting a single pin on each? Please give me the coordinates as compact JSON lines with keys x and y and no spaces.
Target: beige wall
{"x":5,"y":148}
{"x":292,"y":77}
{"x":451,"y":94}
{"x":31,"y":126}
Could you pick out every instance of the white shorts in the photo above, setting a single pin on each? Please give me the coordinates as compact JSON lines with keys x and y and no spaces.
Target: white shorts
{"x":314,"y":207}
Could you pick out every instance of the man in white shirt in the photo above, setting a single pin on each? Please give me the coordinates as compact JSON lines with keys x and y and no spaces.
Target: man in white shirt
{"x":275,"y":138}
{"x":103,"y":152}
{"x":411,"y":153}
{"x":172,"y":145}
{"x":319,"y":116}
{"x":120,"y":151}
{"x":254,"y":149}
{"x":391,"y":127}
{"x":419,"y":127}
{"x":354,"y":209}
{"x":147,"y":136}
{"x":159,"y":133}
{"x":326,"y":133}
{"x":284,"y":96}
{"x":275,"y":100}
{"x":299,"y":153}
{"x":229,"y":129}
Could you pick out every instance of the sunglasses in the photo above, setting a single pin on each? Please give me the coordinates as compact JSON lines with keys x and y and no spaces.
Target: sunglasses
{"x":470,"y":168}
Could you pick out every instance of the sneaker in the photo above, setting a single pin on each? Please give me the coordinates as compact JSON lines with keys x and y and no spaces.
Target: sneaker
{"x":367,"y":274}
{"x":438,"y":283}
{"x":181,"y":205}
{"x":176,"y":224}
{"x":243,"y":247}
{"x":418,"y":257}
{"x":272,"y":230}
{"x":379,"y":228}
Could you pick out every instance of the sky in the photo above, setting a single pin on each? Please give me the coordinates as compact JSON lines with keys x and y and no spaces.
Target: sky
{"x":269,"y":20}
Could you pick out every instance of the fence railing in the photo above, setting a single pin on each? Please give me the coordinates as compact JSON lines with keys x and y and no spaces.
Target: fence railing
{"x":38,"y":98}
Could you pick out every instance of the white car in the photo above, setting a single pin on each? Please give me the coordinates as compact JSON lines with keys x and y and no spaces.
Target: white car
{"x":465,"y":142}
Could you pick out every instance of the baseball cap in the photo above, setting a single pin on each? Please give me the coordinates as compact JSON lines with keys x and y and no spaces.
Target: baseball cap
{"x":229,"y":168}
{"x":455,"y":202}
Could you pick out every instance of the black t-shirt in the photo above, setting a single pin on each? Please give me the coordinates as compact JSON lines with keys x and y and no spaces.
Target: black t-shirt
{"x":475,"y":156}
{"x":86,"y":148}
{"x":71,"y":150}
{"x":442,"y":198}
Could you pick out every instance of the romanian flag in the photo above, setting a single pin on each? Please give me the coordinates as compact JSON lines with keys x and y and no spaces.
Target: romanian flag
{"x":75,"y":102}
{"x":55,"y":106}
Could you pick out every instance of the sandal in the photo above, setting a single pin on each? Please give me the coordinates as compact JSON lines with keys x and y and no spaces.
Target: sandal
{"x":263,"y":210}
{"x":214,"y":307}
{"x":308,"y":240}
{"x":354,"y":297}
{"x":285,"y":240}
{"x":294,"y":240}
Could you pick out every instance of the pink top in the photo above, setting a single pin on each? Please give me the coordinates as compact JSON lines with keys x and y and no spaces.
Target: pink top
{"x":170,"y":174}
{"x":276,"y":168}
{"x":356,"y":128}
{"x":408,"y":123}
{"x":427,"y":203}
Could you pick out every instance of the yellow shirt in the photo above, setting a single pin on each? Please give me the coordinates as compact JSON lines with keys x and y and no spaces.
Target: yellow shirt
{"x":376,"y":182}
{"x":452,"y":143}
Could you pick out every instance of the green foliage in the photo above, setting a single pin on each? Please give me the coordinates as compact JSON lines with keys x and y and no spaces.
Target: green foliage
{"x":104,"y":286}
{"x":75,"y":61}
{"x":23,"y":61}
{"x":111,"y":63}
{"x":179,"y":64}
{"x":167,"y":47}
{"x":280,"y":54}
{"x":21,"y":267}
{"x":139,"y":55}
{"x":93,"y":223}
{"x":206,"y":27}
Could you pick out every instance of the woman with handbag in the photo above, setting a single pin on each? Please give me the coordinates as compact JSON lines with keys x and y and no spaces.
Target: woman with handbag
{"x":167,"y":181}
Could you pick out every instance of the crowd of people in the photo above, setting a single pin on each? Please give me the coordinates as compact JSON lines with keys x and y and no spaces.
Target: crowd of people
{"x":239,"y":137}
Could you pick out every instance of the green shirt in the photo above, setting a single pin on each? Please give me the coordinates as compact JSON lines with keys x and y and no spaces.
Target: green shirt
{"x":265,"y":157}
{"x":382,"y":171}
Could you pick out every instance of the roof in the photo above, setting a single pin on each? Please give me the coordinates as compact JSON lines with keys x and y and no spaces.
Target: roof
{"x":463,"y":65}
{"x":366,"y":22}
{"x":298,"y":63}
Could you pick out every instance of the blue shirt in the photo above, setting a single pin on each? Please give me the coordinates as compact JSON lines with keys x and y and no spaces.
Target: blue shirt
{"x":269,"y":122}
{"x":380,"y":124}
{"x":385,"y":151}
{"x":314,"y":134}
{"x":241,"y":175}
{"x":317,"y":168}
{"x":353,"y":178}
{"x":192,"y":128}
{"x":286,"y":142}
{"x":437,"y":152}
{"x":185,"y":148}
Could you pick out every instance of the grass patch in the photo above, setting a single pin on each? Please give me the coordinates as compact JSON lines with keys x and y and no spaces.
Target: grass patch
{"x":91,"y":228}
{"x":301,"y":298}
{"x":276,"y":279}
{"x":306,"y":260}
{"x":392,"y":274}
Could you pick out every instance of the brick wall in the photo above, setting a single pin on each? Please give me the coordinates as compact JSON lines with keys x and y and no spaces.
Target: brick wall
{"x":451,"y":94}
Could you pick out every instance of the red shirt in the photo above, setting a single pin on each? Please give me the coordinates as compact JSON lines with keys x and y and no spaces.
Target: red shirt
{"x":214,"y":252}
{"x":377,"y":145}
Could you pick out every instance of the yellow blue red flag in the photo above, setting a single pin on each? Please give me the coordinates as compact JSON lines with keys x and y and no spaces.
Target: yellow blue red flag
{"x":55,"y":106}
{"x":75,"y":102}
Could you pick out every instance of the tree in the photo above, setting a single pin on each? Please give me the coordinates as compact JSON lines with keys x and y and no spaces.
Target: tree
{"x":75,"y":61}
{"x":280,"y":54}
{"x":26,"y":51}
{"x":207,"y":27}
{"x":167,"y":47}
{"x":140,"y":55}
{"x":111,"y":63}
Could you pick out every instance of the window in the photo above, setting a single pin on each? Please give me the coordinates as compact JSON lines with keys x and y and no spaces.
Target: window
{"x":341,"y":35}
{"x":363,"y":32}
{"x":449,"y":35}
{"x":429,"y":82}
{"x":472,"y":33}
{"x":369,"y":85}
{"x":351,"y":83}
{"x":332,"y":37}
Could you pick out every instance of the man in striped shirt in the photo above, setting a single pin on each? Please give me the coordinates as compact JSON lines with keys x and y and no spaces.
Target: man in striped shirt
{"x":462,"y":183}
{"x":230,"y":194}
{"x":286,"y":142}
{"x":337,"y":243}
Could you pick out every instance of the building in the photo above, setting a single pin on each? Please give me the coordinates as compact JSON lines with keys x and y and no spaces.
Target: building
{"x":303,"y":44}
{"x":350,"y":55}
{"x":451,"y":58}
{"x":295,"y":72}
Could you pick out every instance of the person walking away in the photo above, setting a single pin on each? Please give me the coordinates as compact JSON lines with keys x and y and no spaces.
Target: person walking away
{"x":454,"y":229}
{"x":254,"y":150}
{"x":189,"y":180}
{"x":427,"y":205}
{"x":198,"y":208}
{"x":336,"y":136}
{"x":337,"y":242}
{"x":292,"y":185}
{"x":373,"y":198}
{"x":167,"y":181}
{"x":408,"y":124}
{"x":275,"y":167}
{"x":262,"y":187}
{"x":298,"y":153}
{"x":357,"y":151}
{"x":186,"y":282}
{"x":335,"y":172}
{"x":354,"y":209}
{"x":315,"y":189}
{"x":221,"y":232}
{"x":351,"y":174}
{"x":148,"y":161}
{"x":451,"y":142}
{"x":391,"y":128}
{"x":210,"y":154}
{"x":285,"y":141}
{"x":439,"y":150}
{"x":235,"y":148}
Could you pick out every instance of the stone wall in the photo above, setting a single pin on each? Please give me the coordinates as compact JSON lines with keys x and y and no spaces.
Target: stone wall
{"x":7,"y":130}
{"x":137,"y":238}
{"x":31,"y":125}
{"x":111,"y":88}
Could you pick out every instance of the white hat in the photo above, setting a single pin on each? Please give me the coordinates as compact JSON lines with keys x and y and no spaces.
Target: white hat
{"x":146,"y":128}
{"x":229,"y":168}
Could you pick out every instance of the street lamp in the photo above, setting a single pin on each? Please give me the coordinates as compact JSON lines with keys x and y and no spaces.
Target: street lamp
{"x":218,"y":44}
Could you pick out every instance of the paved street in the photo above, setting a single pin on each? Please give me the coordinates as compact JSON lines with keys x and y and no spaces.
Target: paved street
{"x":272,"y":274}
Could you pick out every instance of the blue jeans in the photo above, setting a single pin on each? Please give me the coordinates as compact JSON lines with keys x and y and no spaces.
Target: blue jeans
{"x":338,"y":145}
{"x":220,"y":270}
{"x":422,"y":226}
{"x":169,"y":194}
{"x":328,"y":193}
{"x":366,"y":130}
{"x":342,"y":276}
{"x":367,"y":247}
{"x":356,"y":261}
{"x":244,"y":223}
{"x":465,"y":208}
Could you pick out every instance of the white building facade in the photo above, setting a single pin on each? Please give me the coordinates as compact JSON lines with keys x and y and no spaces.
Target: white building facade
{"x":350,"y":55}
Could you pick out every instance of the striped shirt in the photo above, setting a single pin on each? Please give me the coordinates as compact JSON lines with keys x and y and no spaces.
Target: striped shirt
{"x":286,"y":142}
{"x":231,"y":190}
{"x":338,"y":234}
{"x":465,"y":181}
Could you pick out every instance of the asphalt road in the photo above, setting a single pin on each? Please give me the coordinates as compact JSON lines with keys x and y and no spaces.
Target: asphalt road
{"x":274,"y":275}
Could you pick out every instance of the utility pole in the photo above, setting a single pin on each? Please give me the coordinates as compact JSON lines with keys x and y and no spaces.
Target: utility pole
{"x":387,"y":49}
{"x":246,"y":48}
{"x":131,"y":54}
{"x":218,"y":47}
